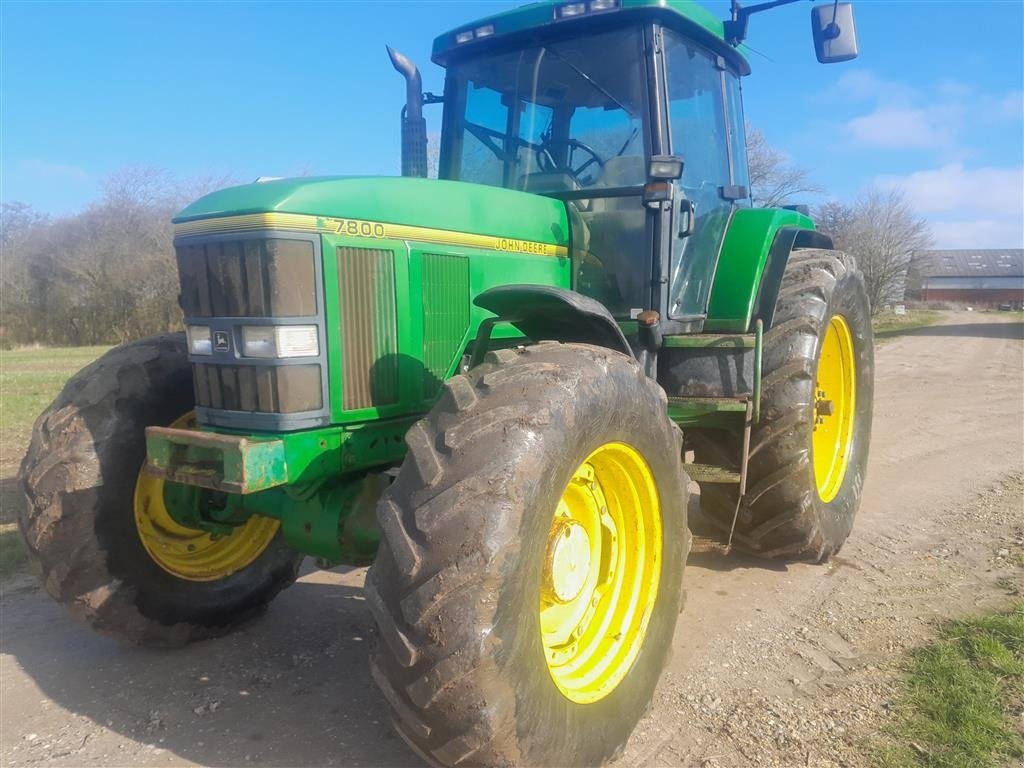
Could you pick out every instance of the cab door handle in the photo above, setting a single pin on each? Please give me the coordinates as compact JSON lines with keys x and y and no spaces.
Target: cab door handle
{"x":687,"y":217}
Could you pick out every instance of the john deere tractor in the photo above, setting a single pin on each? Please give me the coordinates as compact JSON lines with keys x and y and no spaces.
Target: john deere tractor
{"x":486,"y":386}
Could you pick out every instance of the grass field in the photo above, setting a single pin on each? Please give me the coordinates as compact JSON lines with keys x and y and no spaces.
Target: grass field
{"x":960,"y":698}
{"x":888,"y":325}
{"x":30,"y":379}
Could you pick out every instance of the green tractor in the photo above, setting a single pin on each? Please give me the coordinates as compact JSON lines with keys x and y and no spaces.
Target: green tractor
{"x":485,"y":385}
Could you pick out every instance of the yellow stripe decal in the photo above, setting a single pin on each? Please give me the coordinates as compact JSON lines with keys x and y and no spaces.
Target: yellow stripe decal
{"x":298,"y":222}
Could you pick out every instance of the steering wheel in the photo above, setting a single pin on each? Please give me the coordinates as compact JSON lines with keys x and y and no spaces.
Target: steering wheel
{"x":546,"y":160}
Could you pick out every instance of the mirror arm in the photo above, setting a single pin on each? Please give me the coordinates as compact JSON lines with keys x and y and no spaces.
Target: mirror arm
{"x":736,"y":27}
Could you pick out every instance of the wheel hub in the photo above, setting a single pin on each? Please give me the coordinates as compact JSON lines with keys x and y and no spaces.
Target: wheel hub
{"x":189,"y":553}
{"x":601,"y":569}
{"x":568,"y":561}
{"x":834,"y":408}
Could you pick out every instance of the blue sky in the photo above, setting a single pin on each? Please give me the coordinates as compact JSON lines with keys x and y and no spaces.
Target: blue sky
{"x":934,"y":103}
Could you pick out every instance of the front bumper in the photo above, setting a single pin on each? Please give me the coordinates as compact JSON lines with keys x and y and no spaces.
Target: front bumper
{"x":245,"y":464}
{"x":229,"y":463}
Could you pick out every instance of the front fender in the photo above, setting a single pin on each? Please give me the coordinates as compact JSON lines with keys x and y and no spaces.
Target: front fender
{"x":544,"y":312}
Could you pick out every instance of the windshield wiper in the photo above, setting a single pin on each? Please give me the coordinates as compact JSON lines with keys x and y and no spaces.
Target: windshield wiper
{"x":629,"y":141}
{"x":487,"y":137}
{"x":589,"y":79}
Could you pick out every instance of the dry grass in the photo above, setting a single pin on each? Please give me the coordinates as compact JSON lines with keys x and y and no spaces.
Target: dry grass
{"x":888,"y":325}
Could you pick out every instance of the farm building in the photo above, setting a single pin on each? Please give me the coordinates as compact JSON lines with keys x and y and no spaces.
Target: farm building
{"x":980,"y":278}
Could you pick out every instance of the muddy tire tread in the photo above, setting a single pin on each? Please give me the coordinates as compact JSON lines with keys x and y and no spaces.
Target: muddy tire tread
{"x":62,"y":478}
{"x":777,"y":519}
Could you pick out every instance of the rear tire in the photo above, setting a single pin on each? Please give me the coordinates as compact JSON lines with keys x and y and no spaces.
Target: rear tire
{"x":455,"y":587}
{"x":788,"y":512}
{"x":79,"y":477}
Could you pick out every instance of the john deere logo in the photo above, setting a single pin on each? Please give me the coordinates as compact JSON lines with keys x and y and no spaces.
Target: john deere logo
{"x":221,"y":341}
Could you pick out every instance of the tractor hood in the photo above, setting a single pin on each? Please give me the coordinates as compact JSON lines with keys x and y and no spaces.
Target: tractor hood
{"x":433,"y":203}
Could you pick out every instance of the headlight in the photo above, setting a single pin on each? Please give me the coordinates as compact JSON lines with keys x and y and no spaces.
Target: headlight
{"x":280,"y":341}
{"x":199,"y":340}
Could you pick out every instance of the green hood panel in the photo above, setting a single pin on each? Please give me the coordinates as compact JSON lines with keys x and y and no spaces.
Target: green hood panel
{"x":452,"y":205}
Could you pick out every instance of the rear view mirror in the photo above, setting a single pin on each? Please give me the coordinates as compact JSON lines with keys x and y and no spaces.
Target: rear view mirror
{"x":835,"y":35}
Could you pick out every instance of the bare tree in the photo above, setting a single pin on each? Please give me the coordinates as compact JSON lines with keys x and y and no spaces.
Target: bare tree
{"x":836,"y":220}
{"x":773,"y":181}
{"x":104,"y":275}
{"x":882,"y":231}
{"x":19,"y":223}
{"x":16,"y":220}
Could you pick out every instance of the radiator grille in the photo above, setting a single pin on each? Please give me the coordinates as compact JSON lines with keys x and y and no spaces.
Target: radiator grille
{"x":267,"y":389}
{"x":445,"y":316}
{"x":369,"y":326}
{"x":248,"y":278}
{"x":231,"y":282}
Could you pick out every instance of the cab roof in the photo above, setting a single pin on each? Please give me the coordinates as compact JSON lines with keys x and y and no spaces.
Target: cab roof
{"x":549,"y":17}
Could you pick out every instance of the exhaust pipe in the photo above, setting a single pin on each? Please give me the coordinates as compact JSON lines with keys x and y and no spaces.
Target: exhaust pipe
{"x":414,"y":126}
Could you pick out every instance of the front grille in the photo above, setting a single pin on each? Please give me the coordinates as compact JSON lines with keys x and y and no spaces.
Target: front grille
{"x":273,"y":277}
{"x":229,"y":282}
{"x":267,"y":389}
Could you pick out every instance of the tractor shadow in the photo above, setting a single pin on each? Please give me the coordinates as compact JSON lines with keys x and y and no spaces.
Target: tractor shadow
{"x":290,"y":688}
{"x":708,"y":550}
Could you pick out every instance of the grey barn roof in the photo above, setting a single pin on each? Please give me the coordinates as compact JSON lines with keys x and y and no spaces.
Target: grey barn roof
{"x":995,"y":262}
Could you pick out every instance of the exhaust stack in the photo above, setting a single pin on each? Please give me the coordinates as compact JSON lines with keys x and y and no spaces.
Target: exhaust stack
{"x":414,"y":126}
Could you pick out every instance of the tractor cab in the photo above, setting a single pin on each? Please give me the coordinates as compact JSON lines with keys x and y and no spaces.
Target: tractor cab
{"x":578,"y":109}
{"x":630,"y":113}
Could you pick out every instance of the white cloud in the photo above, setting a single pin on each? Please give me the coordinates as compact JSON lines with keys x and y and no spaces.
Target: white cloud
{"x":951,"y":121}
{"x":905,"y":128}
{"x":977,"y":233}
{"x":925,"y":118}
{"x":967,"y":207}
{"x":864,"y":85}
{"x":55,"y":171}
{"x":1011,"y":106}
{"x":954,"y":89}
{"x":954,"y":188}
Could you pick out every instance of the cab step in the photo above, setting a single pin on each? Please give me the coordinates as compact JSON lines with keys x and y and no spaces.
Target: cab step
{"x":710,"y":404}
{"x":710,"y":473}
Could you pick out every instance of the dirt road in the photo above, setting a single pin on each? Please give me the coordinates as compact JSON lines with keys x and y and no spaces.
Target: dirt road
{"x":774,"y":665}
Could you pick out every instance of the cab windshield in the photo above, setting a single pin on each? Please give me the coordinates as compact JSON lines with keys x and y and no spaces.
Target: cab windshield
{"x":565,"y":119}
{"x":562,"y":116}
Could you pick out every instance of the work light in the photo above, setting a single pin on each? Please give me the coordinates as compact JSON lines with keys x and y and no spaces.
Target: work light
{"x":569,"y":10}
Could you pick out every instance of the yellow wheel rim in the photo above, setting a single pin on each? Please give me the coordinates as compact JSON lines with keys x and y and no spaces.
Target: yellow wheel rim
{"x":188,"y":553}
{"x":601,"y":571}
{"x":834,"y":404}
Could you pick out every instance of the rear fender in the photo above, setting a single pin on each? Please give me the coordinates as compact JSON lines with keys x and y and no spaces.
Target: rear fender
{"x":786,"y":239}
{"x":753,"y":257}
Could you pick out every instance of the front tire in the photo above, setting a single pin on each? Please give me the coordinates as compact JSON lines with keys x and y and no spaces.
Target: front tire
{"x":492,"y":561}
{"x":95,"y":524}
{"x":808,"y":454}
